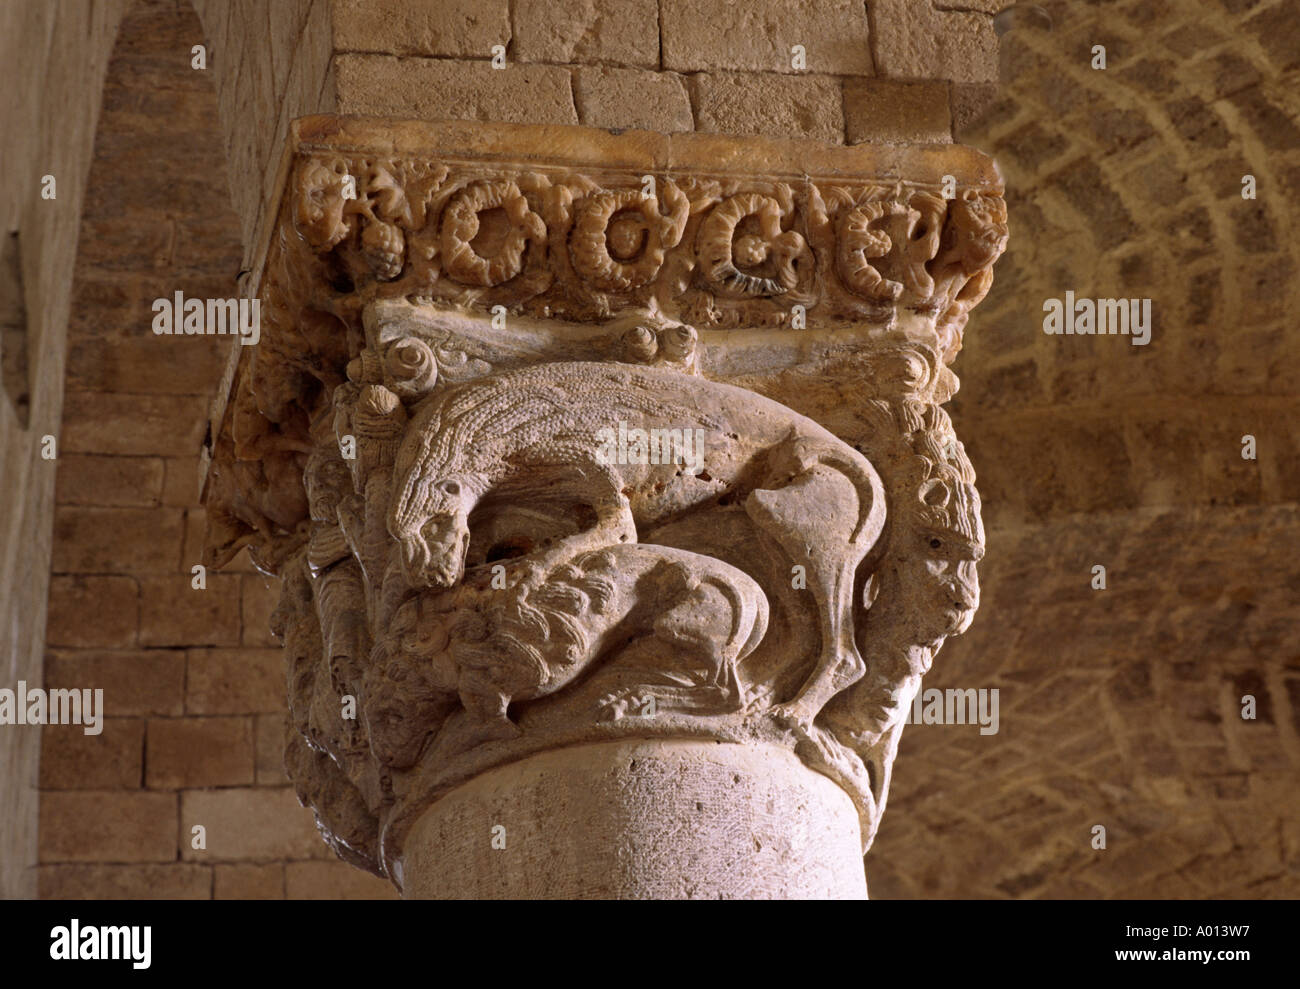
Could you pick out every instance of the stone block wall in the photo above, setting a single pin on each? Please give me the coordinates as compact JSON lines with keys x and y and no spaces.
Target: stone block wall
{"x":193,"y":681}
{"x":840,"y":71}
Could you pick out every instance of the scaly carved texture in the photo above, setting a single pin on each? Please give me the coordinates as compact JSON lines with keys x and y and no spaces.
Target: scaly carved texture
{"x":470,"y":567}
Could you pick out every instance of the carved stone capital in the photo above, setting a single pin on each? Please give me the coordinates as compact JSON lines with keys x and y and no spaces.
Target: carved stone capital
{"x":557,"y":437}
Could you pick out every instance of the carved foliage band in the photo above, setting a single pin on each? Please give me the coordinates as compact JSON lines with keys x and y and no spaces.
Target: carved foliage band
{"x":461,"y":224}
{"x":729,"y":251}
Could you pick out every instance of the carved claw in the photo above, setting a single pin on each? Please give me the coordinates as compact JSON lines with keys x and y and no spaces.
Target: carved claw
{"x":612,"y":707}
{"x":795,"y":715}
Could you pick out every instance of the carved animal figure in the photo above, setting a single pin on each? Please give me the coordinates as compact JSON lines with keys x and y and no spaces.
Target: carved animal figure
{"x":925,"y":589}
{"x":676,"y":622}
{"x":542,"y":433}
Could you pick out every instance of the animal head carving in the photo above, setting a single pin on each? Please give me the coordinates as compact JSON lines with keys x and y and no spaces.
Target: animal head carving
{"x":327,"y":480}
{"x":978,"y":231}
{"x":430,"y":521}
{"x":948,"y":540}
{"x":320,"y":205}
{"x":938,"y":536}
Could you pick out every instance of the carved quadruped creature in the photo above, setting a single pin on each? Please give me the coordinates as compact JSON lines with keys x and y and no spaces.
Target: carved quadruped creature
{"x":923,"y":588}
{"x":535,"y":433}
{"x":665,"y":623}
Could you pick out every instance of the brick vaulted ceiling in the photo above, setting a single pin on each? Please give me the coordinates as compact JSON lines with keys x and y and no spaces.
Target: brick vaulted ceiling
{"x":1122,"y":707}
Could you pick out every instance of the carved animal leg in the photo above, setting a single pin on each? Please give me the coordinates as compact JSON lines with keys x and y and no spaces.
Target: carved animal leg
{"x":637,"y":701}
{"x":614,"y":526}
{"x":839,"y":664}
{"x":658,"y":689}
{"x":830,"y":559}
{"x":685,"y":628}
{"x":689,"y":665}
{"x":486,"y":706}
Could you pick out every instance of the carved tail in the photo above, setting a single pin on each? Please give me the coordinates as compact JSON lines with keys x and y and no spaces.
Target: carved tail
{"x":747,"y":613}
{"x":871,"y":491}
{"x":871,"y":511}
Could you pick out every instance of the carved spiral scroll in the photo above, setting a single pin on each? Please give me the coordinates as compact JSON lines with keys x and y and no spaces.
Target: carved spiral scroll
{"x":900,"y":237}
{"x":410,"y":368}
{"x":859,"y":244}
{"x":460,"y":225}
{"x":638,"y":248}
{"x":719,"y":247}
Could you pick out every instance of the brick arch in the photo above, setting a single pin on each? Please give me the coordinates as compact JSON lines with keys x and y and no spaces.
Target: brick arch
{"x":192,"y":681}
{"x":50,"y":125}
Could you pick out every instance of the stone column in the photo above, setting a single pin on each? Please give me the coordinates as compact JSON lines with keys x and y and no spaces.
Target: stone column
{"x":609,"y":484}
